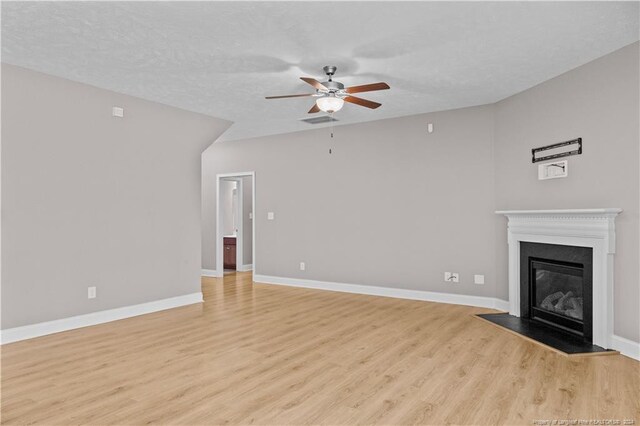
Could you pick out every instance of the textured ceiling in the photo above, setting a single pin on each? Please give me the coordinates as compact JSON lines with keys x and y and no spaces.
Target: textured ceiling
{"x":222,"y":58}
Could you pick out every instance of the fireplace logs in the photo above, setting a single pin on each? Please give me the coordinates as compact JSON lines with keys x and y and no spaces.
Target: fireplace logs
{"x":566,"y":304}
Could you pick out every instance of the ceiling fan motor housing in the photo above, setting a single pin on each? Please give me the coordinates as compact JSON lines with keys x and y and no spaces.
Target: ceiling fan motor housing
{"x":333,"y":86}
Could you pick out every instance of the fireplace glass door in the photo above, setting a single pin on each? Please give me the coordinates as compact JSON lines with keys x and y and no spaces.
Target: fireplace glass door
{"x":557,"y":294}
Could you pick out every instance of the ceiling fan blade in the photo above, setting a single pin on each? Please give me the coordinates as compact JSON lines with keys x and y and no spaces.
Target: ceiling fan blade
{"x":288,"y":96}
{"x":367,"y":88}
{"x":314,"y":109}
{"x":315,"y":83}
{"x":362,"y":102}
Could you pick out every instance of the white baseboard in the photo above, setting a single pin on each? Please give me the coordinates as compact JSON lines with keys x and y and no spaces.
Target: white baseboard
{"x":501,"y":305}
{"x":209,"y":273}
{"x":35,"y":330}
{"x":213,"y":273}
{"x":430,"y":296}
{"x":626,"y":347}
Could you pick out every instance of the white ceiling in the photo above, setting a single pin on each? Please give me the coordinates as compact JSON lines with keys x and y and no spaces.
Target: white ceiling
{"x":222,"y":58}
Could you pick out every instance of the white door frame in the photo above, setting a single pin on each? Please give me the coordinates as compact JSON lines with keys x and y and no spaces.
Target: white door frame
{"x":219,"y":272}
{"x":239,"y":219}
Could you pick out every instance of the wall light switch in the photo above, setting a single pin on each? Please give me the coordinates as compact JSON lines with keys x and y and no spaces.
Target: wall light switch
{"x":117,"y":112}
{"x":91,"y":292}
{"x":250,"y":215}
{"x":271,"y":216}
{"x":478,"y":279}
{"x":430,"y":127}
{"x":302,"y":266}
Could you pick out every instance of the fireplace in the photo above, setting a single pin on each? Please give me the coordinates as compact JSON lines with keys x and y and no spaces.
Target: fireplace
{"x":592,"y":230}
{"x":556,"y":289}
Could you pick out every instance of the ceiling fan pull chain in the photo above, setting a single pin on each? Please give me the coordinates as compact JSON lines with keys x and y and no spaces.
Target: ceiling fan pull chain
{"x":331,"y":117}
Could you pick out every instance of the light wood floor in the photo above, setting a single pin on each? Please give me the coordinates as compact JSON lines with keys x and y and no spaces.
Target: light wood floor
{"x":263,"y":354}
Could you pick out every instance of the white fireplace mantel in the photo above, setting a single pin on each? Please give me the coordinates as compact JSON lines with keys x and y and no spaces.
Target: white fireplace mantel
{"x":593,"y":228}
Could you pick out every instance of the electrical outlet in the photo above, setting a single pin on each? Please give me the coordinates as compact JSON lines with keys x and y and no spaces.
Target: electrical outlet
{"x":557,"y":169}
{"x":271,"y":216}
{"x":451,"y":277}
{"x":478,"y":279}
{"x":91,"y":293}
{"x":303,"y":266}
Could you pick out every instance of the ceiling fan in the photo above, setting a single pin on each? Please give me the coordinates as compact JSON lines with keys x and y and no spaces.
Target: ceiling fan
{"x":331,"y":95}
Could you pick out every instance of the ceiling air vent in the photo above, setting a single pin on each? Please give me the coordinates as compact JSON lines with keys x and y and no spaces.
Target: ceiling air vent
{"x":319,"y":120}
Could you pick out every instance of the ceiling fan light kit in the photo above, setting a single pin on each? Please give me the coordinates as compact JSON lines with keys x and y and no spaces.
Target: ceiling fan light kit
{"x":330,"y":103}
{"x":331,"y":95}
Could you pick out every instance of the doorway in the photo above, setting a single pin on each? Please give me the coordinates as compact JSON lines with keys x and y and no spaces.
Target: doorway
{"x":235,"y":225}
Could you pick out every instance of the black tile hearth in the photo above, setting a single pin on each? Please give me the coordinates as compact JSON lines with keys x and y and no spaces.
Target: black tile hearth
{"x":564,"y":342}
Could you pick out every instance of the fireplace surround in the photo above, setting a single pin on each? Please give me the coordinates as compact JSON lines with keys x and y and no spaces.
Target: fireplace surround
{"x":592,"y":229}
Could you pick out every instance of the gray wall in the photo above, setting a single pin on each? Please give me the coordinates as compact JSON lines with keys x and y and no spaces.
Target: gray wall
{"x":208,"y":211}
{"x":598,"y":102}
{"x":392,"y":206}
{"x":92,"y":200}
{"x":395,"y":206}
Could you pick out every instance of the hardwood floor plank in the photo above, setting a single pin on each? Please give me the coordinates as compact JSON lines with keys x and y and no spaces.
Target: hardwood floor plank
{"x":263,"y":354}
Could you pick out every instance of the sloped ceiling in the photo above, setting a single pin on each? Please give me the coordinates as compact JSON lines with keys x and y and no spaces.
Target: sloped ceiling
{"x":222,"y":58}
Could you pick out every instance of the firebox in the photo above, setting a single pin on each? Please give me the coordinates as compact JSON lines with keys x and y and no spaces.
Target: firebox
{"x":557,"y":294}
{"x":557,"y":290}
